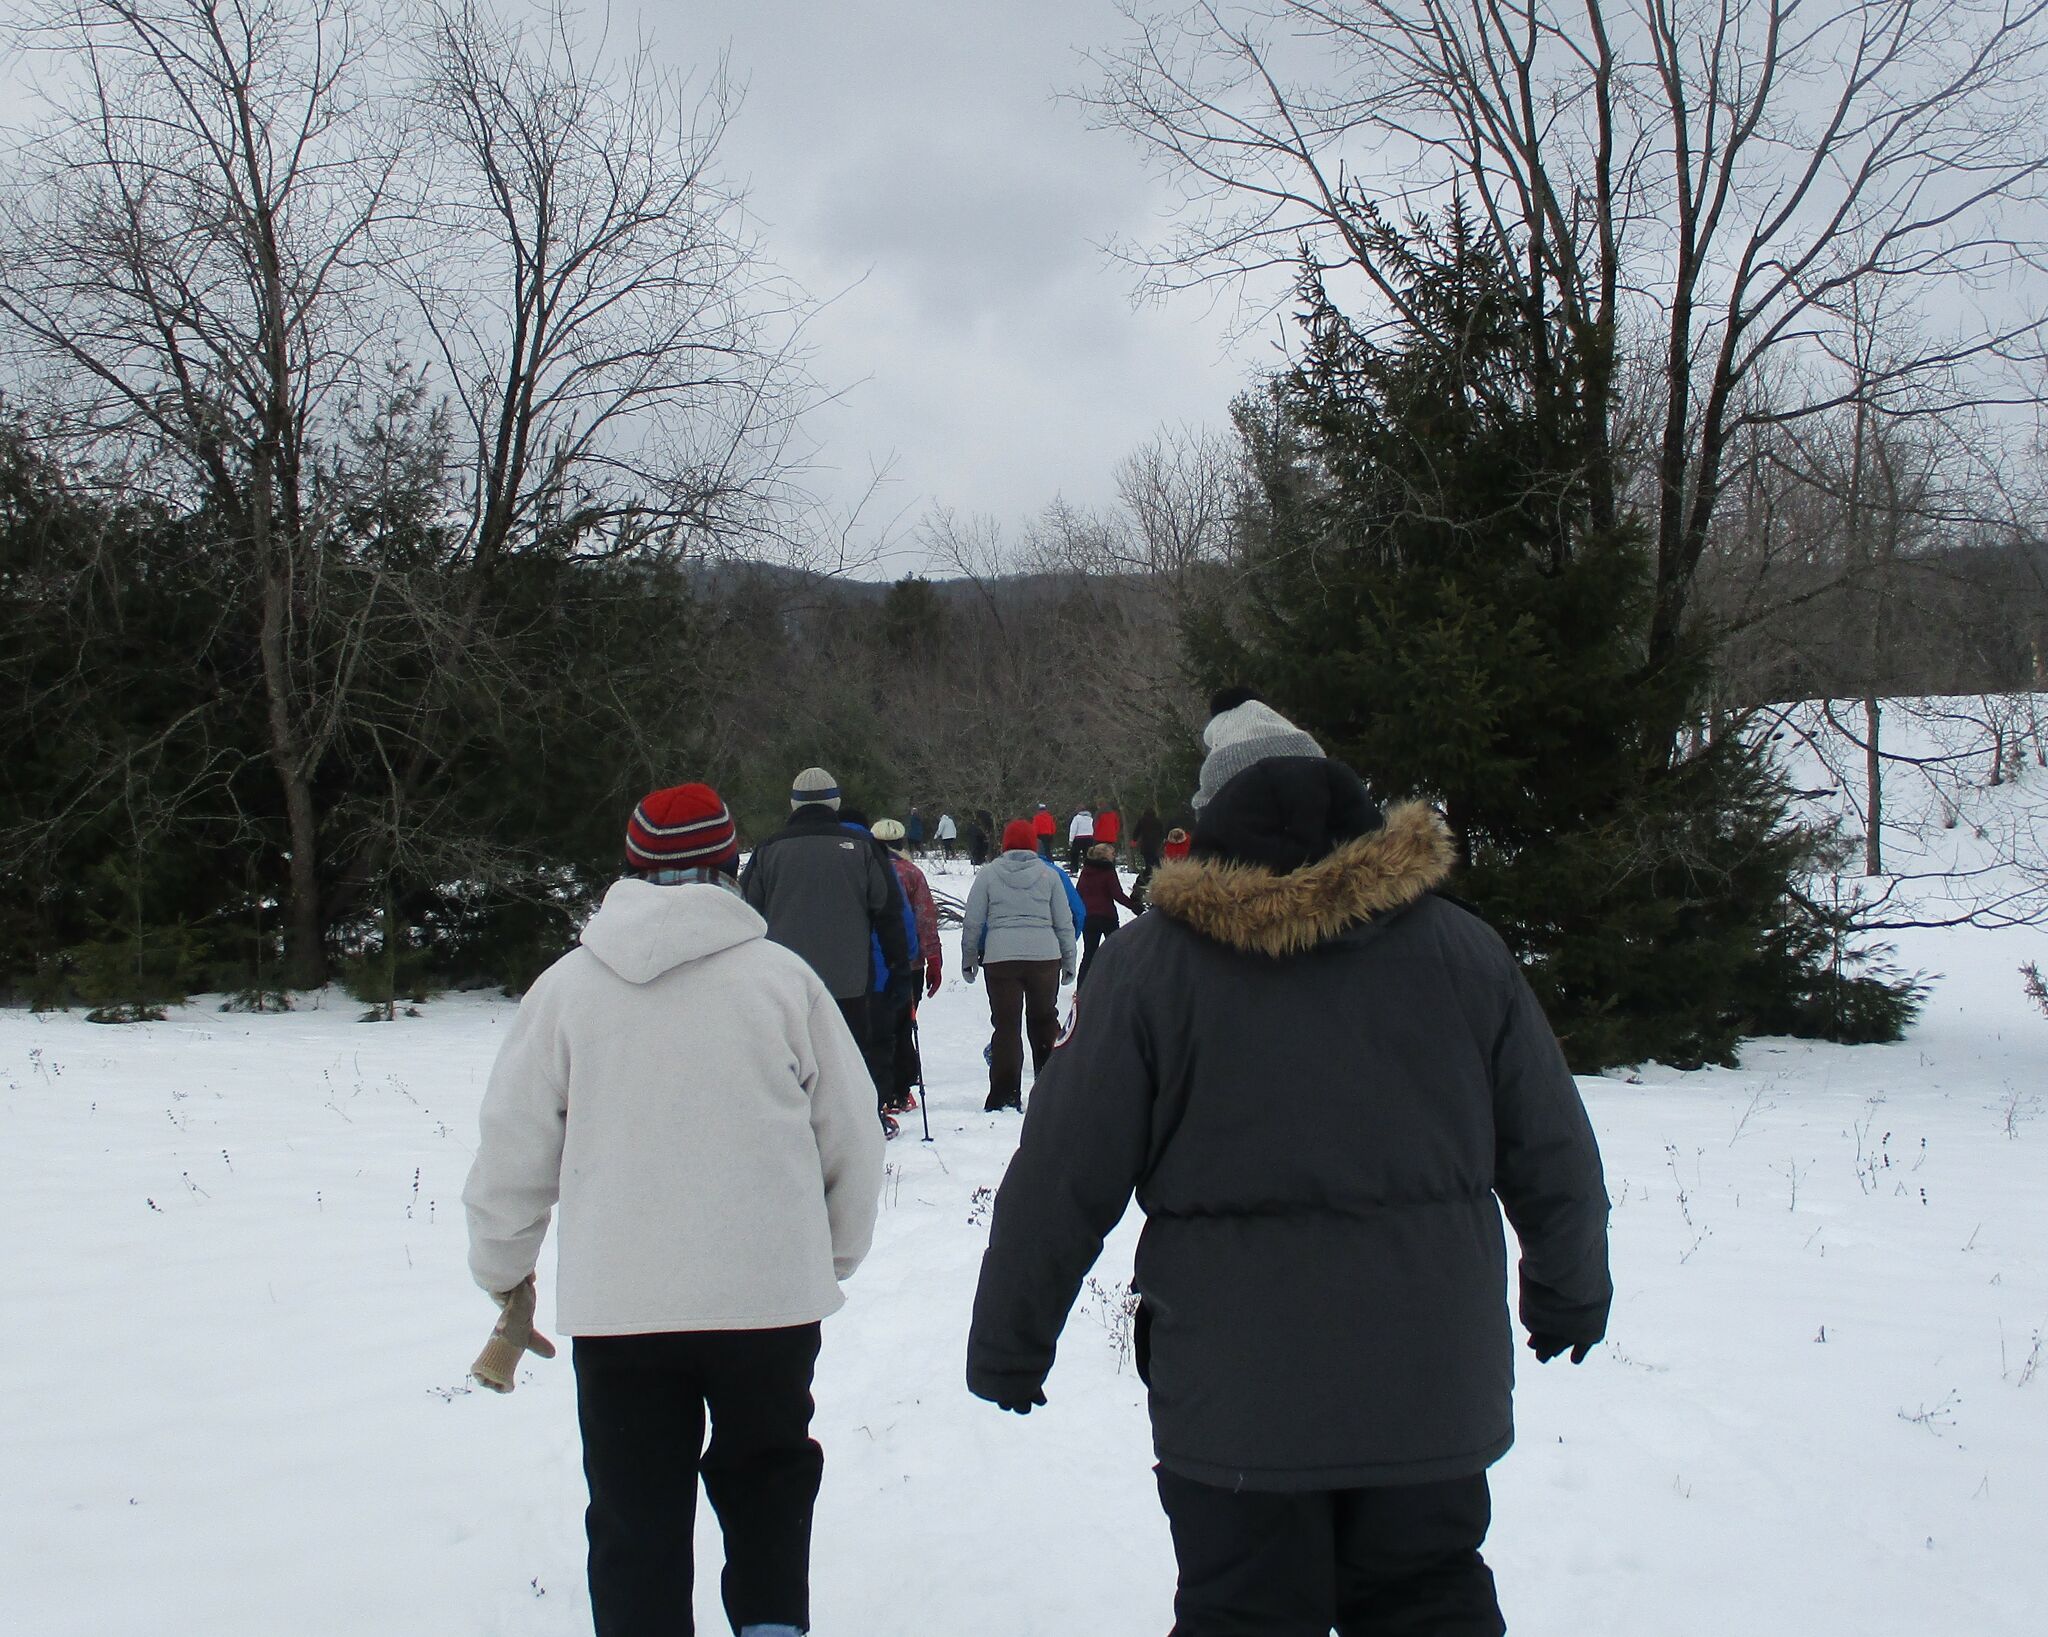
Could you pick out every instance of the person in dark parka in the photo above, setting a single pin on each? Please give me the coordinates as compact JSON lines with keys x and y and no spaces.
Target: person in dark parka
{"x":1318,"y":1076}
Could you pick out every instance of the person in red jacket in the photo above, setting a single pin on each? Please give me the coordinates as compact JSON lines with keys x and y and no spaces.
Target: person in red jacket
{"x":1044,"y":826}
{"x":1101,"y":891}
{"x":1177,"y":844}
{"x":897,"y":1096}
{"x":1109,"y":829}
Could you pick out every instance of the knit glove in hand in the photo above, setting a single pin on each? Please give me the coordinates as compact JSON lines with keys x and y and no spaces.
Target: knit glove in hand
{"x":512,"y":1337}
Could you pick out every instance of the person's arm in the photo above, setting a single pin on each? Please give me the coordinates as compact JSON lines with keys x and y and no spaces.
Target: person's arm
{"x":754,"y":880}
{"x":1116,"y":883}
{"x":928,"y":932}
{"x":1084,"y":1147}
{"x":1548,"y":1176}
{"x":848,"y":1135}
{"x":517,"y":1175}
{"x":1068,"y":927}
{"x":974,"y":926}
{"x":886,"y":909}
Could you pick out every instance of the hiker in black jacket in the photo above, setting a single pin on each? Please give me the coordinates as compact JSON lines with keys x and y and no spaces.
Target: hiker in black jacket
{"x":830,"y":894}
{"x":1318,"y":1076}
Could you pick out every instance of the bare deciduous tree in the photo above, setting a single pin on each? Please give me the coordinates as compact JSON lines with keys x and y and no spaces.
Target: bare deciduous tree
{"x":186,"y":276}
{"x":1701,"y":192}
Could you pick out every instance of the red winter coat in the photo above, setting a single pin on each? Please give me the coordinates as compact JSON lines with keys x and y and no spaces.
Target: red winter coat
{"x":1102,"y":889}
{"x":1108,"y":827}
{"x":1043,"y":823}
{"x":918,"y":893}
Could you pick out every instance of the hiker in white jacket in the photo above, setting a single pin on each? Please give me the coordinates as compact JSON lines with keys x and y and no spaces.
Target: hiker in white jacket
{"x":689,"y":1096}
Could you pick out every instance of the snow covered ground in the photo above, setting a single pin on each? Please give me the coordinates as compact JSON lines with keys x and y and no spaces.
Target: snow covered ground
{"x":232,"y":1395}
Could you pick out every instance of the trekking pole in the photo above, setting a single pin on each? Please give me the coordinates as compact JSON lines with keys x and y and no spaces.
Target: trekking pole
{"x":924,"y":1098}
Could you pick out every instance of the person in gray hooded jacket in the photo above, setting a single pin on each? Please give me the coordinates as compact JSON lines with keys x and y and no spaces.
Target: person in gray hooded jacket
{"x":1019,"y":925}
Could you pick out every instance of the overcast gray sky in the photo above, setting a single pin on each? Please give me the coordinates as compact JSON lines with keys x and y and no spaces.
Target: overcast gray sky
{"x":915,"y":155}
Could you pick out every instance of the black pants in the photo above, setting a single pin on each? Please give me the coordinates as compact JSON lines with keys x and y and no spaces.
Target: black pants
{"x":1093,"y":930}
{"x":900,"y":1048}
{"x":641,"y":1401}
{"x":868,"y":1017}
{"x":1402,"y":1561}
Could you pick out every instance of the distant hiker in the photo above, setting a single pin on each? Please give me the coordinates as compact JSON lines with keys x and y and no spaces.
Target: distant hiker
{"x":985,"y":836}
{"x":1018,"y":926}
{"x":1101,"y":890}
{"x":688,"y":1096}
{"x":1080,"y":837}
{"x":1318,"y":1075}
{"x":1109,"y":829}
{"x":1178,"y":844}
{"x":1148,"y":835}
{"x":830,"y":896}
{"x":1044,"y":826}
{"x":926,"y":971}
{"x":947,"y":835}
{"x":892,"y":983}
{"x":977,"y":842}
{"x":913,"y":829}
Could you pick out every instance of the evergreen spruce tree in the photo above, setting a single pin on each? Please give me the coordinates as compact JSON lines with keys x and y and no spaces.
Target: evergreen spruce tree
{"x":1425,"y":590}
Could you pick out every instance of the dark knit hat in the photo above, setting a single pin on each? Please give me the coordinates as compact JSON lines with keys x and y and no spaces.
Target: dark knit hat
{"x":813,"y":784}
{"x":683,"y":827}
{"x":1244,"y":733}
{"x":1018,"y":836}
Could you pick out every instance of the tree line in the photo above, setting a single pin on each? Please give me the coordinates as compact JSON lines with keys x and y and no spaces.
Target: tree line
{"x":392,"y":486}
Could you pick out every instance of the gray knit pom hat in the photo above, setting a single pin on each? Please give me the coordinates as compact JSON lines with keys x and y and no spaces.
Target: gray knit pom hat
{"x":1247,"y":733}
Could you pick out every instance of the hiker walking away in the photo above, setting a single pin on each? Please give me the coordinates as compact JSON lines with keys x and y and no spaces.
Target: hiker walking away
{"x":890,"y":985}
{"x":831,"y":896}
{"x":687,"y":1095}
{"x":913,"y":830}
{"x":1019,"y":927}
{"x":1318,"y":1075}
{"x":1148,"y":836}
{"x":926,"y":971}
{"x":1080,"y":837}
{"x":1101,"y":890}
{"x":982,"y":839}
{"x":1044,"y":826}
{"x":947,"y":834}
{"x":1109,"y":829}
{"x":1178,"y":844}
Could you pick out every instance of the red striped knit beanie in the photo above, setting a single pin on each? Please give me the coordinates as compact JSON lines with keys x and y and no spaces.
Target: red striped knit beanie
{"x":685,"y":827}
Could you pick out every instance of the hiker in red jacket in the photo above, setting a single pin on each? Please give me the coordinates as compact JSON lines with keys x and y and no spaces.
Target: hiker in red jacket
{"x":1044,"y":826}
{"x":1109,"y":829}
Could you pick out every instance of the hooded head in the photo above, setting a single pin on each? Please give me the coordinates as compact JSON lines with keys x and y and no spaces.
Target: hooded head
{"x":1018,"y":836}
{"x":813,"y":787}
{"x":1269,"y":796}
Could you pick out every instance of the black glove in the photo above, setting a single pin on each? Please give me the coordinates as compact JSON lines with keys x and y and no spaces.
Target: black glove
{"x":1547,"y":1348}
{"x":1017,"y":1398}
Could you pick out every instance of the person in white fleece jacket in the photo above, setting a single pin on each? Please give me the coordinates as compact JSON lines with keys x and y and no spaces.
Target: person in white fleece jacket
{"x":689,"y":1097}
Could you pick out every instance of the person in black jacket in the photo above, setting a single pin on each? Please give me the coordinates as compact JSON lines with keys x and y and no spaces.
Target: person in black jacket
{"x":830,"y":893}
{"x":1318,"y":1076}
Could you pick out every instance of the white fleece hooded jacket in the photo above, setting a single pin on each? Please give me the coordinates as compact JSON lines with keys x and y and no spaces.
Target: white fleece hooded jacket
{"x":691,"y":1096}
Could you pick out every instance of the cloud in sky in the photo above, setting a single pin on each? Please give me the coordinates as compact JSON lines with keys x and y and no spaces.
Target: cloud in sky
{"x":914,"y":161}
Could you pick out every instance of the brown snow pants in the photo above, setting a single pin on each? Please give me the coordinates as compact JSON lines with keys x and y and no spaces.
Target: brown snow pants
{"x":1027,"y":993}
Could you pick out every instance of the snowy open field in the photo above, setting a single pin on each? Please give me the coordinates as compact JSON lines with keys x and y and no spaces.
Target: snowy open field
{"x":232,"y":1397}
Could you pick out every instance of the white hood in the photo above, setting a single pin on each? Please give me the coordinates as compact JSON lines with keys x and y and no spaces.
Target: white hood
{"x":642,"y":931}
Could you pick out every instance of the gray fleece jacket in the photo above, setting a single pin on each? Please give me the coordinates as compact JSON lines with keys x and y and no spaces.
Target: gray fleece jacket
{"x":1017,"y":911}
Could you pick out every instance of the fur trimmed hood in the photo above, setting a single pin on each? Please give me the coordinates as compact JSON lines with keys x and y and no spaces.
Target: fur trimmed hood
{"x":1251,"y":908}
